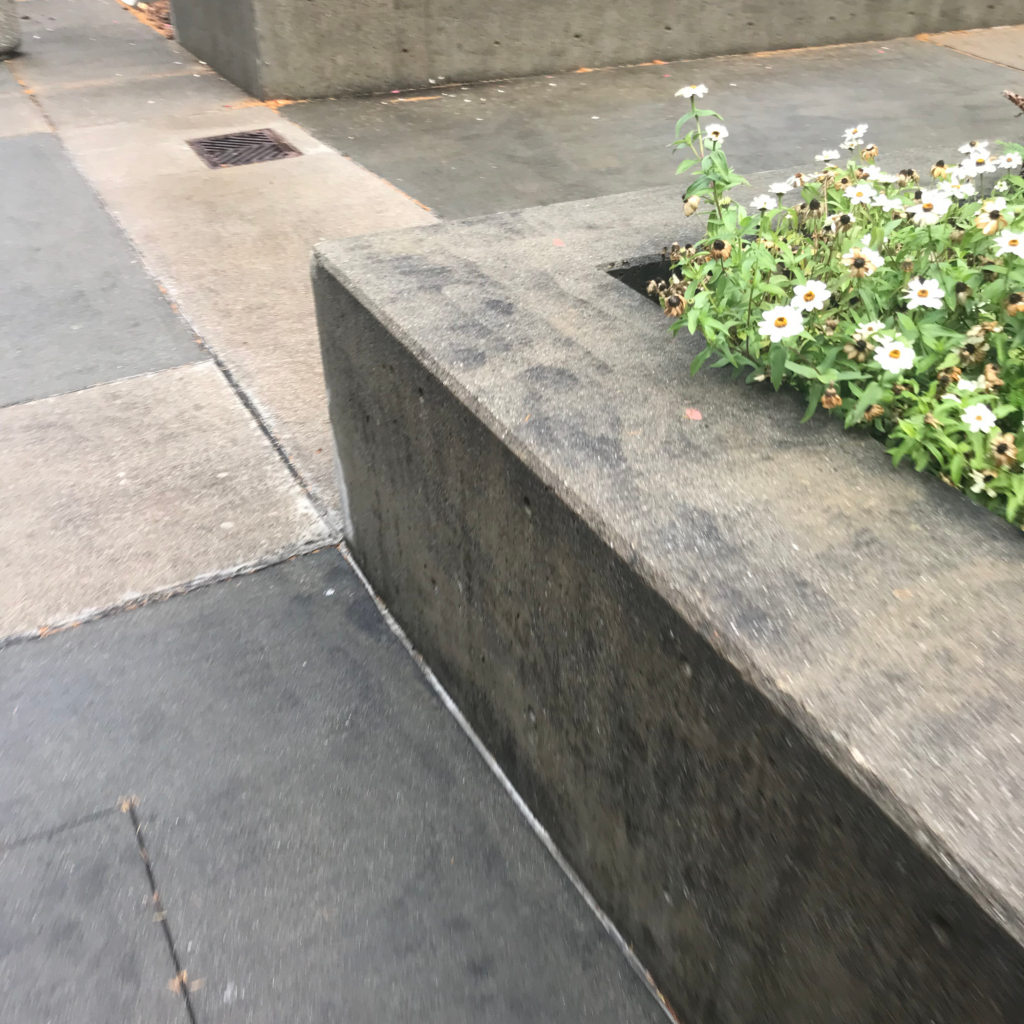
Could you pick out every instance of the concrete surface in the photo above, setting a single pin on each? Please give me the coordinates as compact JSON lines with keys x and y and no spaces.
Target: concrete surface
{"x":726,"y":662}
{"x":574,"y":136}
{"x":134,"y":487}
{"x":325,"y":48}
{"x":18,"y":114}
{"x":10,"y":30}
{"x":79,"y":309}
{"x":125,"y":102}
{"x":327,"y":844}
{"x":1004,"y":45}
{"x":79,"y":942}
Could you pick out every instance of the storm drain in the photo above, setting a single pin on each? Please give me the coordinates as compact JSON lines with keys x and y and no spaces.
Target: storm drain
{"x":240,"y":148}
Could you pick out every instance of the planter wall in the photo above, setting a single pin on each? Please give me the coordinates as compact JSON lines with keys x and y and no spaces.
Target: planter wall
{"x":764,"y":691}
{"x":286,"y":49}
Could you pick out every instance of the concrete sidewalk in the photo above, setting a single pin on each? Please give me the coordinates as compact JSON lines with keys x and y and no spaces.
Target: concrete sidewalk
{"x":325,"y":842}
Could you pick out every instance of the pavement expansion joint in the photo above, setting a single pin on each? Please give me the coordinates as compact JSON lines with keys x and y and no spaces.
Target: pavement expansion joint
{"x":179,"y":983}
{"x":51,"y":833}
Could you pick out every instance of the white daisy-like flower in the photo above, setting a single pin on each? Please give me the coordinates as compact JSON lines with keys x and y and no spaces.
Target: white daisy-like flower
{"x":979,"y":418}
{"x":780,"y":188}
{"x":780,"y":322}
{"x":887,"y":203}
{"x":924,"y":292}
{"x":999,"y":203}
{"x":861,"y":194}
{"x":981,"y":483}
{"x":974,"y":165}
{"x":956,"y":188}
{"x":764,"y":202}
{"x":827,"y":155}
{"x":812,"y":295}
{"x":715,"y":133}
{"x":856,"y":134}
{"x":866,"y":331}
{"x":947,"y":397}
{"x":965,"y":384}
{"x":893,"y":356}
{"x":878,"y":176}
{"x":932,"y":205}
{"x":974,"y":147}
{"x":1010,"y":243}
{"x":689,"y":91}
{"x":1009,"y":161}
{"x":1002,"y":185}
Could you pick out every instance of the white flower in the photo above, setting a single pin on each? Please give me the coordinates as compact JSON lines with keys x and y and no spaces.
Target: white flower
{"x":860,"y":194}
{"x":863,"y":262}
{"x":924,"y":292}
{"x":932,"y":205}
{"x":981,"y":482}
{"x":780,"y":188}
{"x":1002,"y":185}
{"x":828,"y":155}
{"x":947,"y":397}
{"x":875,"y":174}
{"x":956,"y":188}
{"x":888,"y":203}
{"x":972,"y":166}
{"x":865,"y":331}
{"x":764,"y":202}
{"x":964,"y":384}
{"x":893,"y":355}
{"x":812,"y":295}
{"x":798,"y":180}
{"x":715,"y":133}
{"x":1009,"y":161}
{"x":979,"y":418}
{"x":780,"y":322}
{"x":1010,"y":244}
{"x":856,"y":134}
{"x":688,"y":91}
{"x":975,"y":147}
{"x":999,"y":203}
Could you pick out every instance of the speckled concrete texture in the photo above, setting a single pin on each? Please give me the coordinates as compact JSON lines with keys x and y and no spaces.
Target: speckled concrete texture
{"x":763,"y":689}
{"x":134,"y":487}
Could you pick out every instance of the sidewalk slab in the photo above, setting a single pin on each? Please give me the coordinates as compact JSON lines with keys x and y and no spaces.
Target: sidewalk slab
{"x":78,"y":944}
{"x":135,"y":486}
{"x":78,"y":306}
{"x":232,"y":247}
{"x":18,"y":114}
{"x":535,"y":141}
{"x":1000,"y":45}
{"x":328,"y":844}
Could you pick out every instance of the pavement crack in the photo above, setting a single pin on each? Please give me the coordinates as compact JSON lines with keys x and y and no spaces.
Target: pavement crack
{"x":179,"y":983}
{"x":50,"y":833}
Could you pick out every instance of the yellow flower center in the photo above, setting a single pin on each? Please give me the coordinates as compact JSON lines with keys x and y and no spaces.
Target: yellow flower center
{"x":927,"y":207}
{"x":808,"y":296}
{"x":1013,"y":243}
{"x":922,"y":293}
{"x":781,"y":321}
{"x":894,"y":353}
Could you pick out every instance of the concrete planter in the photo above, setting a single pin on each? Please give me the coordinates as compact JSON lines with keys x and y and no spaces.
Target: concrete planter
{"x":281,"y":48}
{"x":764,"y":691}
{"x":10,"y":28}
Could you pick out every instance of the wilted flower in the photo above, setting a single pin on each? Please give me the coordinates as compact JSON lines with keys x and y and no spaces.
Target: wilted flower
{"x":689,"y":91}
{"x":1004,"y":449}
{"x":872,"y":412}
{"x":691,"y":205}
{"x":908,"y":174}
{"x":863,"y":262}
{"x":858,"y":349}
{"x":675,"y":305}
{"x":721,"y":250}
{"x":812,"y":295}
{"x":973,"y":351}
{"x":798,"y":180}
{"x":893,"y":355}
{"x":780,"y":322}
{"x":831,"y":398}
{"x":1015,"y":303}
{"x":869,"y":152}
{"x":939,"y":168}
{"x":991,"y":217}
{"x":839,"y":222}
{"x":963,"y":293}
{"x":990,"y":379}
{"x":924,"y":292}
{"x":982,"y":481}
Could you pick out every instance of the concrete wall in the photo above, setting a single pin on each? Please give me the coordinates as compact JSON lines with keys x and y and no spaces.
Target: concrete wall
{"x":331,"y":47}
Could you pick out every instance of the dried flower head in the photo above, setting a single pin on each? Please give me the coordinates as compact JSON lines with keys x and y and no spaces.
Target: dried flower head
{"x":974,"y":351}
{"x":963,"y":293}
{"x":873,"y":412}
{"x":940,"y":170}
{"x":675,"y":305}
{"x":831,"y":399}
{"x":720,"y":250}
{"x":869,"y":152}
{"x":858,"y":350}
{"x":990,"y":221}
{"x":991,"y":377}
{"x":691,"y":205}
{"x":908,"y":174}
{"x":1015,"y":303}
{"x":862,"y":262}
{"x":948,"y":375}
{"x":1004,"y":449}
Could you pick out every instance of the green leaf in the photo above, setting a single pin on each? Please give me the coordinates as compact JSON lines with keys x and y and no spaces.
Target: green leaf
{"x":685,"y":166}
{"x":707,"y":113}
{"x":813,"y":398}
{"x":804,"y":371}
{"x":873,"y":393}
{"x":908,"y":325}
{"x":700,"y":359}
{"x":956,"y":467}
{"x":777,"y":361}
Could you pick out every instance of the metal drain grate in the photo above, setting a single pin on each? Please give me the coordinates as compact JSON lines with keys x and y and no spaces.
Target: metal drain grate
{"x":239,"y":148}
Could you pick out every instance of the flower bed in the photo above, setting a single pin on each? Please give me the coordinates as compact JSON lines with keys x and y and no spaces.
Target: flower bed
{"x":896,"y":304}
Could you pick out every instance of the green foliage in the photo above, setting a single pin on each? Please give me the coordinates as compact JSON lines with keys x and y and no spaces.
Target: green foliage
{"x":894,"y":305}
